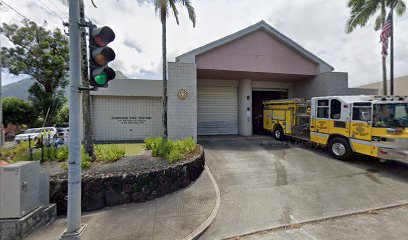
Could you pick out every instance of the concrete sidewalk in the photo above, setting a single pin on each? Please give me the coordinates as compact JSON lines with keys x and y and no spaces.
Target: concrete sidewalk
{"x":173,"y":216}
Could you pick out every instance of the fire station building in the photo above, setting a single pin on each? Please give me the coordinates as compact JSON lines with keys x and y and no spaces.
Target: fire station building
{"x":217,"y":88}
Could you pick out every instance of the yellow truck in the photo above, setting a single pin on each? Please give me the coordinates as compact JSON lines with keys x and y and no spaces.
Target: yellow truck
{"x":370,"y":125}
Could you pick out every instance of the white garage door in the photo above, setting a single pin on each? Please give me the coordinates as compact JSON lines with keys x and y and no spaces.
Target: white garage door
{"x":217,"y":110}
{"x":126,"y":118}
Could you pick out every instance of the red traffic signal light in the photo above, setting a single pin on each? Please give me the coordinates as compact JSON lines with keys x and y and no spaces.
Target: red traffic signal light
{"x":100,"y":55}
{"x":102,"y":36}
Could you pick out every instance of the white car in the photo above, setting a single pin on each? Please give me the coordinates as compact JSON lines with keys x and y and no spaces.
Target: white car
{"x":35,"y":133}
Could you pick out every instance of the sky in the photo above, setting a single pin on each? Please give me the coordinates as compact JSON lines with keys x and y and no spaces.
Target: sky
{"x":317,"y":25}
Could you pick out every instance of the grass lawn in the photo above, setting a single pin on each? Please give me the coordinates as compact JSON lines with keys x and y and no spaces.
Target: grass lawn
{"x":131,"y":149}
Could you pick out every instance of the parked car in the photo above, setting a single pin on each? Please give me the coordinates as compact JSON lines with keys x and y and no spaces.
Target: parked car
{"x":36,"y":133}
{"x":63,"y":132}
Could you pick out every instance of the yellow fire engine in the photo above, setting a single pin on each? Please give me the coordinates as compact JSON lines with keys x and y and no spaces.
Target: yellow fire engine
{"x":370,"y":125}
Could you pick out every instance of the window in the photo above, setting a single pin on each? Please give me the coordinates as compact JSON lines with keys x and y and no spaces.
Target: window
{"x":362,"y":113}
{"x":391,"y":115}
{"x":323,"y":109}
{"x":335,"y":109}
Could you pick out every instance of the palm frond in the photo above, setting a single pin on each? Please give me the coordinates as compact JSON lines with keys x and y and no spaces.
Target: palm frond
{"x":400,"y":7}
{"x":92,"y":1}
{"x":361,"y":12}
{"x":174,"y":7}
{"x":190,"y":10}
{"x":379,"y":22}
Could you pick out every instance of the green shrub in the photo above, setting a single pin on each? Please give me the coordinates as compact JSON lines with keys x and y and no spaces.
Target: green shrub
{"x":109,"y":153}
{"x":173,"y":151}
{"x":18,"y":153}
{"x":50,"y":154}
{"x":84,"y":165}
{"x":186,"y":145}
{"x":150,"y":142}
{"x":84,"y":156}
{"x":62,"y":154}
{"x":20,"y":150}
{"x":175,"y":156}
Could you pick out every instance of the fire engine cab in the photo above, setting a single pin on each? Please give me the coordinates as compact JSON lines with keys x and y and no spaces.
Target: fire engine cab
{"x":371,"y":125}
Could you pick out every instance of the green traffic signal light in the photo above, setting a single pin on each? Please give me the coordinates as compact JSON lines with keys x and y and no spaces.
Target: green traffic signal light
{"x":102,"y":75}
{"x":101,"y":79}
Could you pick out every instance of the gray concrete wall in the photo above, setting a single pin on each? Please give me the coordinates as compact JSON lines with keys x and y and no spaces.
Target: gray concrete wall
{"x":182,"y":114}
{"x":327,"y":84}
{"x":125,"y":118}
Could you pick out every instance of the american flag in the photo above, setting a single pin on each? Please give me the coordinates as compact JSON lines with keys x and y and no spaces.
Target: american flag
{"x":385,"y":34}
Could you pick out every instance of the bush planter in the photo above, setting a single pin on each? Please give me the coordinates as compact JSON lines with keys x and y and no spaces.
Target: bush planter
{"x":122,"y":187}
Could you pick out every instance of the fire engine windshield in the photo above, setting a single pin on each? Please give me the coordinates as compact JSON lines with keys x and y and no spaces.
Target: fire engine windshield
{"x":391,"y":115}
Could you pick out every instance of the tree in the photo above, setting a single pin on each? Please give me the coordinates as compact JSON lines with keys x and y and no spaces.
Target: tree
{"x":162,"y":7}
{"x":42,"y":54}
{"x":17,"y":111}
{"x":62,"y":117}
{"x":363,"y":10}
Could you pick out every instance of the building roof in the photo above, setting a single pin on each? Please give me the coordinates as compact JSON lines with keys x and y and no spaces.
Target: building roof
{"x":189,"y":57}
{"x":401,"y":86}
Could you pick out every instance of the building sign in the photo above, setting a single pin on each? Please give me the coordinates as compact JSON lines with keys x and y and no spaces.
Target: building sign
{"x":182,"y":94}
{"x":131,"y":120}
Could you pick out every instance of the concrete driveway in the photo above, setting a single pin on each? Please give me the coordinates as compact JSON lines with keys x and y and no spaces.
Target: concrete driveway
{"x":266,"y":185}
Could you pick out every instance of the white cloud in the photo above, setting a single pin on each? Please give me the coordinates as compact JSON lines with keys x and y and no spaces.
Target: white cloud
{"x":317,"y":25}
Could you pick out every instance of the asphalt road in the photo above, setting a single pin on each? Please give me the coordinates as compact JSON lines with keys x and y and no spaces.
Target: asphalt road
{"x":266,"y":185}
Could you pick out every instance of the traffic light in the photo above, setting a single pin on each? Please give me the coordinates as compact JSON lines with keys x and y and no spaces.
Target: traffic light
{"x":100,"y":55}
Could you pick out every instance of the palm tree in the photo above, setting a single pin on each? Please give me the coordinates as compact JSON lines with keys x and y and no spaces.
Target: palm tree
{"x":363,"y":10}
{"x":162,"y":7}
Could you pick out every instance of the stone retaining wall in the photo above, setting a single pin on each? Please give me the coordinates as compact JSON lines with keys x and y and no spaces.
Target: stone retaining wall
{"x":122,"y":188}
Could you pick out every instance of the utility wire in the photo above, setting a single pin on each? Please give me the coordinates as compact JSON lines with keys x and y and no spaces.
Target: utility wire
{"x":51,"y":10}
{"x":59,"y":10}
{"x":3,"y":2}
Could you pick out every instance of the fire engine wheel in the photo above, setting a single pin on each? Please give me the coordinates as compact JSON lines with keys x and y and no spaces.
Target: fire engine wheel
{"x":340,"y":149}
{"x":278,"y":134}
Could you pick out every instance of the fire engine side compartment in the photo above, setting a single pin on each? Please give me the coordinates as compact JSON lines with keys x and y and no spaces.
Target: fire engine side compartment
{"x":283,"y":113}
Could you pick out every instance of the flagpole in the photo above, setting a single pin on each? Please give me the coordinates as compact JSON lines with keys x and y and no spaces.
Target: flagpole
{"x":392,"y":53}
{"x":384,"y":66}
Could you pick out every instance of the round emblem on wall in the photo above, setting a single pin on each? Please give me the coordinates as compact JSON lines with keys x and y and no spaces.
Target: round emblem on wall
{"x":182,"y":94}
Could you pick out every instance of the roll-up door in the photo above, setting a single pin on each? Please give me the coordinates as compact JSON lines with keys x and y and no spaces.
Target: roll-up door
{"x":217,"y":110}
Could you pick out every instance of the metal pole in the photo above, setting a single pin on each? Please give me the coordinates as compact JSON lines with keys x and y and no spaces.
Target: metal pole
{"x":74,"y":158}
{"x":30,"y":150}
{"x":42,"y":148}
{"x":384,"y":66}
{"x":392,"y":53}
{"x":1,"y":113}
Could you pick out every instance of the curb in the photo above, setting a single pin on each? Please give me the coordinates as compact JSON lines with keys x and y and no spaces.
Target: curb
{"x":201,"y":229}
{"x":318,"y":220}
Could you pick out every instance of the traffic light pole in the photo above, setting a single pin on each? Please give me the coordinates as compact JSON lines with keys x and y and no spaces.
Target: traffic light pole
{"x":74,"y":227}
{"x":1,"y":116}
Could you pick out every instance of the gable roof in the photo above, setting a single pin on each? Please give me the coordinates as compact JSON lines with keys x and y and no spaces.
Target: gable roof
{"x":189,"y":57}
